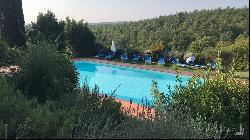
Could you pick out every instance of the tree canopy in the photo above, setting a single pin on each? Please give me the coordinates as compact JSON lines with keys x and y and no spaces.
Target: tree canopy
{"x":12,"y":22}
{"x":79,"y":38}
{"x":45,"y":73}
{"x":69,"y":36}
{"x":180,"y":32}
{"x":47,"y":27}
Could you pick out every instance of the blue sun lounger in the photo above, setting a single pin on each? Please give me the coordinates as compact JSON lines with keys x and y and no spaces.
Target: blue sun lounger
{"x":100,"y":54}
{"x":161,"y":61}
{"x":110,"y":55}
{"x":124,"y":57}
{"x":147,"y":59}
{"x":176,"y":61}
{"x":136,"y":58}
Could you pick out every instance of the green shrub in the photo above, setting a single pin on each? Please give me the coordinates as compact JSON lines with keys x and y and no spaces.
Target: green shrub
{"x":14,"y":108}
{"x":227,"y":56}
{"x":2,"y":130}
{"x":176,"y":54}
{"x":237,"y":51}
{"x":221,"y":100}
{"x":45,"y":73}
{"x":205,"y":56}
{"x":216,"y":100}
{"x":98,"y":115}
{"x":3,"y":52}
{"x":159,"y":98}
{"x":13,"y":55}
{"x":91,"y":117}
{"x":240,"y":49}
{"x":44,"y":122}
{"x":174,"y":125}
{"x":8,"y":55}
{"x":79,"y":38}
{"x":168,"y":65}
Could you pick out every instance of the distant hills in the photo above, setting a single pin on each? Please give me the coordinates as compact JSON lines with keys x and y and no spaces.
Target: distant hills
{"x":108,"y":23}
{"x":29,"y":26}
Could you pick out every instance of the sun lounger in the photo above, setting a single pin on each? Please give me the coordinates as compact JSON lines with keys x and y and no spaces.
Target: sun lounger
{"x":201,"y":66}
{"x":183,"y":65}
{"x":174,"y":60}
{"x":161,"y":61}
{"x":136,"y":58}
{"x":110,"y":55}
{"x":124,"y":57}
{"x":147,"y":59}
{"x":100,"y":54}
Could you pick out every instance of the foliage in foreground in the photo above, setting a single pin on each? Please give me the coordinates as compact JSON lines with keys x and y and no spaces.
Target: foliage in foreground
{"x":219,"y":101}
{"x":45,"y":73}
{"x":14,"y":108}
{"x":90,"y":116}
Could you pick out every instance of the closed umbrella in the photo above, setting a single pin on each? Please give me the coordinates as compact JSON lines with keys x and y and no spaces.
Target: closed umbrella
{"x":192,"y":58}
{"x":113,"y":48}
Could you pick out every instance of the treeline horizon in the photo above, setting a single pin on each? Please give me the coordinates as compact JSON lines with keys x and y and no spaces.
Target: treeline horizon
{"x":160,"y":27}
{"x":127,"y":21}
{"x":199,"y":32}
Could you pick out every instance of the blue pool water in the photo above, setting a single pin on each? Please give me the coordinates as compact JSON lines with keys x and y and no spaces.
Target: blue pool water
{"x":131,"y":83}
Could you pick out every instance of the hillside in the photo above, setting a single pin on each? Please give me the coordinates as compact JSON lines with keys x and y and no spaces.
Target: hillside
{"x":178,"y":31}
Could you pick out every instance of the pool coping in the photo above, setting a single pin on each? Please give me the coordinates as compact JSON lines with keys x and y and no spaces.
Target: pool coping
{"x":143,"y":67}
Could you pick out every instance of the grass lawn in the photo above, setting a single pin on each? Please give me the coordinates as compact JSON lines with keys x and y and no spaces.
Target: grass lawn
{"x":242,"y":74}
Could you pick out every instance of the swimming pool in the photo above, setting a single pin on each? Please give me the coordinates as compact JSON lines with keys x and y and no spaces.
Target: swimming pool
{"x":131,"y":83}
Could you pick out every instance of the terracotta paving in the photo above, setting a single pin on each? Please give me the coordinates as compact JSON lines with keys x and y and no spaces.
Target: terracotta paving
{"x":136,"y":110}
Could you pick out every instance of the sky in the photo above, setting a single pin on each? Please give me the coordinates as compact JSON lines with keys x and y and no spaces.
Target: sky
{"x":94,"y":11}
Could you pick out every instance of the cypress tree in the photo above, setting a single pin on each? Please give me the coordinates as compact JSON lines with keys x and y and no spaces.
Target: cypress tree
{"x":12,"y":22}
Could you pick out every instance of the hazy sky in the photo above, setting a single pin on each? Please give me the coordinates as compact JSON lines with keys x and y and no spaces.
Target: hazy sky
{"x":119,"y":10}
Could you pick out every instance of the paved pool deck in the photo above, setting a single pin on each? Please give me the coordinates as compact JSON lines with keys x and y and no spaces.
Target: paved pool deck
{"x":146,"y":67}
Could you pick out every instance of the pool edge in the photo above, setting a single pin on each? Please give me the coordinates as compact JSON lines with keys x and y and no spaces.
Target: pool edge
{"x":129,"y":65}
